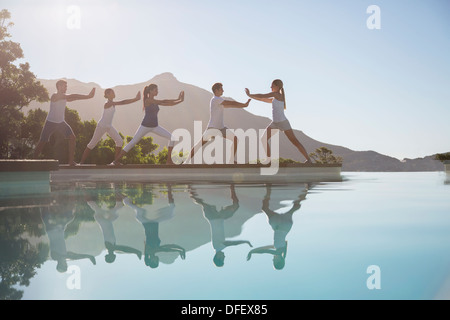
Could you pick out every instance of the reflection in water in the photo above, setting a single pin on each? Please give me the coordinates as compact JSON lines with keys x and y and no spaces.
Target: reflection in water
{"x":105,"y":219}
{"x":281,"y":223}
{"x":19,"y":257}
{"x":56,"y":218}
{"x":216,"y":219}
{"x":84,"y":221}
{"x":168,"y":223}
{"x":150,"y":220}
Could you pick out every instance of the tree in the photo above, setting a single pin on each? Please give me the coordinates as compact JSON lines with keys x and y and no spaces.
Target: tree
{"x":142,"y":152}
{"x":20,"y":257}
{"x":18,"y":87}
{"x":30,"y":129}
{"x":19,"y":133}
{"x":442,"y":156}
{"x":325,"y":156}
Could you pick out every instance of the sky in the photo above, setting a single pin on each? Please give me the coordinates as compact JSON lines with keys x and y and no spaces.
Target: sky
{"x":363,"y":79}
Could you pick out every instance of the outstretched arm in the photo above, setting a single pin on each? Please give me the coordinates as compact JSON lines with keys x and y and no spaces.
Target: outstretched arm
{"x":73,"y":97}
{"x":266,"y":249}
{"x":128,"y":101}
{"x":127,"y":249}
{"x":233,"y":195}
{"x":194,"y":195}
{"x":170,"y":102}
{"x":264,"y":97}
{"x":79,"y":256}
{"x":235,"y":104}
{"x":229,"y":243}
{"x":173,"y":248}
{"x":295,"y":207}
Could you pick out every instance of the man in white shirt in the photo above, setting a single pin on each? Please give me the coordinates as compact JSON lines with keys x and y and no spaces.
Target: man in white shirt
{"x":216,"y":125}
{"x":216,"y":218}
{"x":55,"y":119}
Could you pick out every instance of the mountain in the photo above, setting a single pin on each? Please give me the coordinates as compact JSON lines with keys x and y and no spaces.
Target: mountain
{"x":196,"y":108}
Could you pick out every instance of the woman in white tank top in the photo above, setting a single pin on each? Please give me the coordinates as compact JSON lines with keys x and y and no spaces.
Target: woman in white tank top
{"x":104,"y":125}
{"x":279,"y":120}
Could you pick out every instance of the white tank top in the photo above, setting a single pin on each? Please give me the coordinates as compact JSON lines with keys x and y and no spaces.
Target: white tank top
{"x":107,"y":117}
{"x":278,"y":111}
{"x":56,"y":112}
{"x":279,"y":238}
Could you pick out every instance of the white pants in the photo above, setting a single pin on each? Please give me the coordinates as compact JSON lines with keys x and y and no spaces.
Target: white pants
{"x":100,"y":131}
{"x":142,"y":131}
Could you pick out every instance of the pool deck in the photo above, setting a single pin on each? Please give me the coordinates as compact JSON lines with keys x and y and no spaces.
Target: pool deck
{"x":18,"y":176}
{"x":7,"y":165}
{"x":236,"y":173}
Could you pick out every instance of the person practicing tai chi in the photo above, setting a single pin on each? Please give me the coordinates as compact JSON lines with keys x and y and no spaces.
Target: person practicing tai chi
{"x":216,"y":125}
{"x":281,"y":224}
{"x":279,"y":120}
{"x":151,"y":220}
{"x":105,"y":217}
{"x":55,"y":119}
{"x":105,"y":123}
{"x":150,"y":121}
{"x":216,"y":219}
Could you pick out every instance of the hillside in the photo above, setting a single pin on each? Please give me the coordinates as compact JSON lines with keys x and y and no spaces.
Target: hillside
{"x":196,"y":108}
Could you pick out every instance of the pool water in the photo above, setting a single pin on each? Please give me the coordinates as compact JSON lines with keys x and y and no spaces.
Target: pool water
{"x":371,"y":236}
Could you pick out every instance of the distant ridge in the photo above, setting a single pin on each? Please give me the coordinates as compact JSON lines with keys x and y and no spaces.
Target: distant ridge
{"x":196,"y":108}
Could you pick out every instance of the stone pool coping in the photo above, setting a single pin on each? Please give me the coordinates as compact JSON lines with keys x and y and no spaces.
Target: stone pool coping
{"x":15,"y":172}
{"x":237,"y":173}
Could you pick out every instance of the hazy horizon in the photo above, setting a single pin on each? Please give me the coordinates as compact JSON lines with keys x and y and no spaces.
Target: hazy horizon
{"x":367,"y":89}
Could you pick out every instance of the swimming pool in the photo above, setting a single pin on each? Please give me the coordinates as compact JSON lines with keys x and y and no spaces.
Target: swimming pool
{"x":371,"y":236}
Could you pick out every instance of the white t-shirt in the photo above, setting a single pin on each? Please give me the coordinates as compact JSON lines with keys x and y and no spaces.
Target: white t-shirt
{"x":216,"y":117}
{"x":57,"y":110}
{"x":279,"y":238}
{"x":217,"y":233}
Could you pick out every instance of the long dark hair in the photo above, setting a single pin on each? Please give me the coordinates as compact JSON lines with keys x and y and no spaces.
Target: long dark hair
{"x":146,"y":93}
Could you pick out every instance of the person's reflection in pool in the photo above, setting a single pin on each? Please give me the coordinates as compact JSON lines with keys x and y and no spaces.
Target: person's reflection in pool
{"x":216,"y":219}
{"x":281,"y":224}
{"x":56,"y":217}
{"x":105,"y":219}
{"x":150,"y":221}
